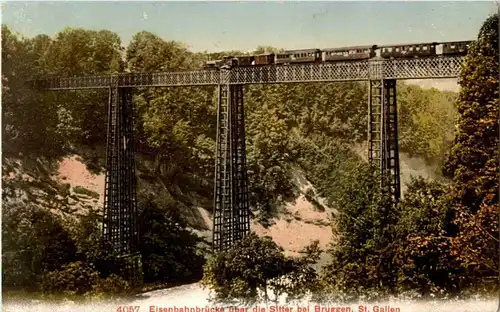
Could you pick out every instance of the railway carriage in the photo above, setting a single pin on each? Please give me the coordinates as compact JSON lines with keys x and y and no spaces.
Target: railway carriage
{"x":264,"y":59}
{"x":348,"y":53}
{"x":456,"y":48}
{"x":408,"y":50}
{"x":245,"y":60}
{"x":298,"y":56}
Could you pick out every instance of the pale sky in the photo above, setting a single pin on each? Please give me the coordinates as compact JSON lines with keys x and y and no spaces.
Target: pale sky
{"x":219,"y":26}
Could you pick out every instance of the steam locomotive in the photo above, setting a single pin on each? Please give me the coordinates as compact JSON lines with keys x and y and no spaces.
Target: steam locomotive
{"x":346,"y":54}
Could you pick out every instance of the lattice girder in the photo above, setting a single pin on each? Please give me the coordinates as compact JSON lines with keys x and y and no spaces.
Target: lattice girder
{"x":418,"y":68}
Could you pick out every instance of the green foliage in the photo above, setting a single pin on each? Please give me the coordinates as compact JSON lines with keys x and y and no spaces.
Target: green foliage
{"x":56,"y":122}
{"x":253,"y":265}
{"x":477,"y":247}
{"x":286,"y":124}
{"x":111,"y":286}
{"x":148,"y":53}
{"x":75,"y":278}
{"x":426,"y":121}
{"x":425,"y":262}
{"x":87,"y":231}
{"x":33,"y":241}
{"x":39,"y":254}
{"x":329,"y":165}
{"x":20,"y":63}
{"x":364,"y":251}
{"x":474,"y":159}
{"x":428,"y":202}
{"x":266,"y":49}
{"x":165,"y":244}
{"x":310,"y":196}
{"x":76,"y":51}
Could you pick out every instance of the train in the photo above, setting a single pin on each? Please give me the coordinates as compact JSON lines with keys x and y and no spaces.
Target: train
{"x":355,"y":53}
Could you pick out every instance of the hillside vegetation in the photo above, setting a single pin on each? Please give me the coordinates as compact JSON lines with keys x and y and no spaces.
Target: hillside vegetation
{"x":303,"y":146}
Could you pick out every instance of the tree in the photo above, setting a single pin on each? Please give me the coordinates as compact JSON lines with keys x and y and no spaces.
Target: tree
{"x":168,"y":249}
{"x":424,"y":260}
{"x":149,"y":53}
{"x":364,"y":229}
{"x":253,"y":265}
{"x":267,"y":49}
{"x":33,"y":242}
{"x":426,"y":121}
{"x":177,"y":125}
{"x":78,"y":52}
{"x":21,"y":62}
{"x":474,"y":159}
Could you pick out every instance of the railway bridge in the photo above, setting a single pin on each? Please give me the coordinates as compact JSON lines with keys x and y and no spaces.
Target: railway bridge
{"x":231,"y":218}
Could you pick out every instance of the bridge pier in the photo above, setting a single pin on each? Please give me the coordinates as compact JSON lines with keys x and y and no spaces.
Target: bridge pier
{"x":120,"y":227}
{"x":231,"y":216}
{"x":383,"y":152}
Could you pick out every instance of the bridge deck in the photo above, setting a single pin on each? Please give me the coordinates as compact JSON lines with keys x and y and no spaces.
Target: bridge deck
{"x":419,"y":68}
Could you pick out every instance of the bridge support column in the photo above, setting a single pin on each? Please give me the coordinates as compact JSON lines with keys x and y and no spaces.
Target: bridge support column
{"x":120,"y":227}
{"x":231,"y":217}
{"x":383,"y":152}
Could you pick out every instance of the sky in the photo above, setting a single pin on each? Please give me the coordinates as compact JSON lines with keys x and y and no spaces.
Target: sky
{"x":218,"y":26}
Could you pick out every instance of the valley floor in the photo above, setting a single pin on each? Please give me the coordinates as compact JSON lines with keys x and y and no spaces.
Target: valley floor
{"x":193,"y":295}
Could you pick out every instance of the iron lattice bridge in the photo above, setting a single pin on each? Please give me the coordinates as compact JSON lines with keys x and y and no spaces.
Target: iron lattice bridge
{"x":231,"y":217}
{"x":421,"y":68}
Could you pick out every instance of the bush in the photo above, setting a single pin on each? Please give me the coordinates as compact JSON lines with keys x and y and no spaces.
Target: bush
{"x":78,"y":278}
{"x":75,"y":278}
{"x":112,"y":286}
{"x":33,"y":241}
{"x":253,"y":266}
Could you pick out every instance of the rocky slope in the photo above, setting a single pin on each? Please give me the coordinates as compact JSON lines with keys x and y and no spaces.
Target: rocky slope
{"x":299,"y":224}
{"x":73,"y":189}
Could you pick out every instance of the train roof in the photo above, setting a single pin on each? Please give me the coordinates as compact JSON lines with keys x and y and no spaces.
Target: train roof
{"x":407,"y":44}
{"x":458,"y":41}
{"x":363,"y":47}
{"x":300,"y":51}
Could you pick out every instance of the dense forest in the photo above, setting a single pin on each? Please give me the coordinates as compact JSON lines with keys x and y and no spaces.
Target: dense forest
{"x":440,"y":240}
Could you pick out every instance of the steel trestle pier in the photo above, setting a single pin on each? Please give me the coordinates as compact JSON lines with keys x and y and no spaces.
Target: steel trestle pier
{"x":231,"y":217}
{"x":120,"y":228}
{"x":383,"y":152}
